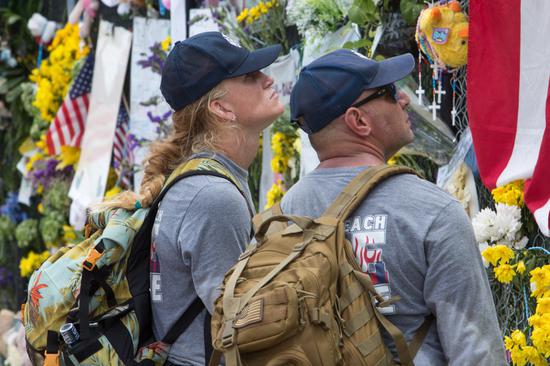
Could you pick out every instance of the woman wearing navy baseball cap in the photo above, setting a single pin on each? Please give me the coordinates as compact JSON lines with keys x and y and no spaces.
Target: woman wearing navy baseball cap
{"x":222,"y":102}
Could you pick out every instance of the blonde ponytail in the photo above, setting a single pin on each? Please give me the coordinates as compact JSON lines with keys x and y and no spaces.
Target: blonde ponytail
{"x":194,"y":129}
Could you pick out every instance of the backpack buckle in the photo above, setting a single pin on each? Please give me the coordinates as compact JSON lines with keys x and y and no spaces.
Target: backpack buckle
{"x":51,"y":359}
{"x":90,"y":261}
{"x":228,"y":335}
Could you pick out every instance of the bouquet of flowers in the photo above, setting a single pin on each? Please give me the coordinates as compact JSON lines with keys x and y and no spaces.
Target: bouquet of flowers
{"x":259,"y":26}
{"x":519,"y":258}
{"x":316,"y":17}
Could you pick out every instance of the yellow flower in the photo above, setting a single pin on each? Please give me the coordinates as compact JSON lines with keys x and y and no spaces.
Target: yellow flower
{"x":510,"y":194}
{"x":275,"y":194}
{"x":277,"y":142}
{"x":518,"y":356}
{"x":69,"y":235}
{"x":40,"y":189}
{"x":69,"y":157}
{"x":541,"y":339}
{"x":393,"y":160}
{"x":521,"y":267}
{"x":165,"y":44}
{"x":532,"y":355}
{"x":498,"y":253}
{"x":518,"y":338}
{"x":543,"y":305}
{"x":54,"y":75}
{"x":113,"y":192}
{"x":279,"y":164}
{"x":263,"y":8}
{"x":40,"y":208}
{"x":540,"y":279}
{"x":253,"y":14}
{"x":31,"y":262}
{"x":41,"y":144}
{"x":504,"y":273}
{"x":33,"y":159}
{"x":243,"y":15}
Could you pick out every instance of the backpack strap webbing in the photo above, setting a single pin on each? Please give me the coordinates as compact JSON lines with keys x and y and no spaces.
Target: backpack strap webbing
{"x":356,"y":191}
{"x":184,"y":321}
{"x":347,"y":201}
{"x":259,"y":218}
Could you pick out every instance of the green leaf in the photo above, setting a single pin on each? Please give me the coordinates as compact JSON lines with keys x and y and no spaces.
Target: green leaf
{"x":362,"y":43}
{"x":13,"y":94}
{"x":362,"y":12}
{"x":14,"y":18}
{"x":410,"y":10}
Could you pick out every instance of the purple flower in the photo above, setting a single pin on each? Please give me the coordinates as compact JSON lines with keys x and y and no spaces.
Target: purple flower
{"x":154,"y":61}
{"x":45,"y":171}
{"x":6,"y":277}
{"x":12,"y":209}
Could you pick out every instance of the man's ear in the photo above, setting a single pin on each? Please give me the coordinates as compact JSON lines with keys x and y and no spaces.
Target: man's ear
{"x":358,"y":122}
{"x":222,"y":110}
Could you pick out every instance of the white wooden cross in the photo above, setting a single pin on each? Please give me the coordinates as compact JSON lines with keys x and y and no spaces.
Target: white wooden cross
{"x":420,"y":92}
{"x":435,"y":70}
{"x":434,"y":107}
{"x":439,"y":92}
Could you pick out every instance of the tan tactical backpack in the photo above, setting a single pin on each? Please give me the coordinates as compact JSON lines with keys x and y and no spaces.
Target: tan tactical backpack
{"x":297,"y":297}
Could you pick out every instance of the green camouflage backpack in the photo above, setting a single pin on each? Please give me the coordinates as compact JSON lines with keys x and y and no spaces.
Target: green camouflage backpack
{"x":298,"y":297}
{"x":98,"y":291}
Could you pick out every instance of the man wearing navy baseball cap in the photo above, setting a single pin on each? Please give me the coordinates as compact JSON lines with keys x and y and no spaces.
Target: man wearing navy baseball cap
{"x":414,"y":240}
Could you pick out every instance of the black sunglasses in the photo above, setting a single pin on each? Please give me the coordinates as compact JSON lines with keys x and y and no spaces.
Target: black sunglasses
{"x":382,"y":91}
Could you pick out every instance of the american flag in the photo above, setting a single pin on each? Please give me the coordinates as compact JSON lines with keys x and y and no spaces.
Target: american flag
{"x":120,"y":148}
{"x":509,"y":97}
{"x":70,"y":120}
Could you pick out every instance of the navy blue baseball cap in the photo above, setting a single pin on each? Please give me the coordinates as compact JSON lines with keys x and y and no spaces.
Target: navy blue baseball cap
{"x":328,"y":86}
{"x":195,"y":66}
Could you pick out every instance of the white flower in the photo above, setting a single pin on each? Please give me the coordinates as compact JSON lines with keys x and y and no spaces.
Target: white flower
{"x":484,"y":225}
{"x":507,"y":223}
{"x":521,"y":243}
{"x":482,"y":247}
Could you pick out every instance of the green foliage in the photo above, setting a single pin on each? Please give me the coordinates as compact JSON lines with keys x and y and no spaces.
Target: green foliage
{"x":423,"y":165}
{"x":364,"y":12}
{"x":51,"y":226}
{"x":13,"y":31}
{"x":27,"y":234}
{"x":362,"y":43}
{"x":410,"y":10}
{"x":56,"y":197}
{"x":7,"y":237}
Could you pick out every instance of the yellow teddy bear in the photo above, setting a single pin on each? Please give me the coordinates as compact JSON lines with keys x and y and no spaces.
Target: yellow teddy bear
{"x":442,"y":35}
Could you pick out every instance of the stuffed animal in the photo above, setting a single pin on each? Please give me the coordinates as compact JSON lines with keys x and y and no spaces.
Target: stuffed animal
{"x":442,"y":35}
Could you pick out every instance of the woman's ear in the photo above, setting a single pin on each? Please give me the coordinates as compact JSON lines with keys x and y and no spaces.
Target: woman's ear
{"x":358,"y":122}
{"x":222,"y":110}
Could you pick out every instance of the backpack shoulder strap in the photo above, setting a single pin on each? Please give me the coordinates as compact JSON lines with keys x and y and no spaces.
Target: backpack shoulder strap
{"x":259,"y":218}
{"x":356,"y":191}
{"x":184,"y":321}
{"x":207,"y":165}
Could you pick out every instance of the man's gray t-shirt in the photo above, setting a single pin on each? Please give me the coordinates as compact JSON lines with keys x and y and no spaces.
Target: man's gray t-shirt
{"x":415,"y":241}
{"x":202,"y":226}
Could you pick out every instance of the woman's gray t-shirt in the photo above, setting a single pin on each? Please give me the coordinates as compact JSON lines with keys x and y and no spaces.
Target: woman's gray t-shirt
{"x":202,"y":225}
